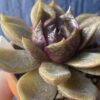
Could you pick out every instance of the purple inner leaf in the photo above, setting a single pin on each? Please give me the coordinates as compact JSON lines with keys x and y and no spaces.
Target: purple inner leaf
{"x":38,"y":36}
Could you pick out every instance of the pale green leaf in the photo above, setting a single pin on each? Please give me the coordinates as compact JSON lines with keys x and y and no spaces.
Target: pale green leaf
{"x":90,"y":21}
{"x":32,"y":87}
{"x":85,"y":60}
{"x":17,"y":61}
{"x":83,"y":17}
{"x":92,"y":71}
{"x":14,"y":20}
{"x":78,"y":87}
{"x":5,"y":44}
{"x":54,"y":73}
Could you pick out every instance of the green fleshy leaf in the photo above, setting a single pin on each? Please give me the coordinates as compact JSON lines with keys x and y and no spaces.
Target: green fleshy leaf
{"x":78,"y":87}
{"x":15,"y":32}
{"x":54,"y":73}
{"x":83,"y":17}
{"x":32,"y":87}
{"x":17,"y":61}
{"x":92,"y":71}
{"x":41,"y":11}
{"x":36,"y":12}
{"x":5,"y":44}
{"x":14,"y":20}
{"x":36,"y":52}
{"x":64,"y":50}
{"x":88,"y":33}
{"x":89,"y":21}
{"x":85,"y":60}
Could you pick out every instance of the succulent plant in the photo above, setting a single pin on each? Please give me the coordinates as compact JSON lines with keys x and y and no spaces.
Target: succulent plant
{"x":58,"y":53}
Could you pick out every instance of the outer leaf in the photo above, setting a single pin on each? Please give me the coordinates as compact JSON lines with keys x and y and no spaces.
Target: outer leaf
{"x":92,"y":71}
{"x":32,"y":87}
{"x":64,"y":50}
{"x":36,"y":52}
{"x":85,"y":60}
{"x":88,"y":33}
{"x":5,"y":44}
{"x":78,"y":87}
{"x":15,"y":32}
{"x":17,"y":61}
{"x":54,"y":73}
{"x":89,"y":21}
{"x":14,"y":20}
{"x":83,"y":17}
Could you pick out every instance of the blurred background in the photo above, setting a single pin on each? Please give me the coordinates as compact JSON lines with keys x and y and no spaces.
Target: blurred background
{"x":22,"y":8}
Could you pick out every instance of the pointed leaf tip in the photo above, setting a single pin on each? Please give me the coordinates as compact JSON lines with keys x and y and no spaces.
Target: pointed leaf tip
{"x":14,"y":29}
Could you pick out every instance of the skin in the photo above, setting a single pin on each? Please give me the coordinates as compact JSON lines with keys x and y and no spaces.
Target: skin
{"x":12,"y":82}
{"x":5,"y":93}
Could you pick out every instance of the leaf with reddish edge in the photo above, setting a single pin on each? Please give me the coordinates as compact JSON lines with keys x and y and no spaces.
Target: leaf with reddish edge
{"x":65,"y":49}
{"x":59,"y":52}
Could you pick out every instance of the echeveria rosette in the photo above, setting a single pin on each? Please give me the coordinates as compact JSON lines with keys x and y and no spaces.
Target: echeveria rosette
{"x":55,"y":53}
